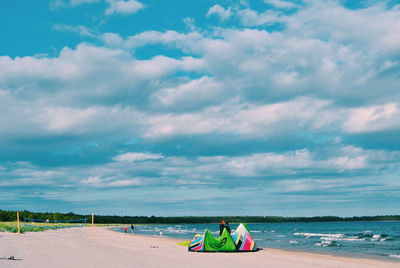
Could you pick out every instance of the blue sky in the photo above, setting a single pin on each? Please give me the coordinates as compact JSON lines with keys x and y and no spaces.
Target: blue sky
{"x":151,"y":107}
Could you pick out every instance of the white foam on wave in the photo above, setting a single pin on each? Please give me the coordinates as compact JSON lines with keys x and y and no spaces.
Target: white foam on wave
{"x":342,"y":239}
{"x":395,"y":256}
{"x":171,"y":229}
{"x":294,"y":241}
{"x":323,"y":244}
{"x":320,"y":235}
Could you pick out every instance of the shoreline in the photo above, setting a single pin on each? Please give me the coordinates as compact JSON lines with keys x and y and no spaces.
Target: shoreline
{"x":319,"y":252}
{"x":102,"y":247}
{"x":342,"y":254}
{"x":288,"y":250}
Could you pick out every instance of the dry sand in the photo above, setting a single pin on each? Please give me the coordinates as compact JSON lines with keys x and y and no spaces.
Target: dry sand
{"x":100,"y":247}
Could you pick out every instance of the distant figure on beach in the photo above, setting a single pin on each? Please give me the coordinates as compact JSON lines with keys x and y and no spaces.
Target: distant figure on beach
{"x":224,"y":224}
{"x":132,"y":227}
{"x":125,"y":228}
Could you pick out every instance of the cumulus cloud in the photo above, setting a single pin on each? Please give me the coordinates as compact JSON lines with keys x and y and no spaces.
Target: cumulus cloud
{"x":249,"y":17}
{"x":220,"y":12}
{"x":123,"y":7}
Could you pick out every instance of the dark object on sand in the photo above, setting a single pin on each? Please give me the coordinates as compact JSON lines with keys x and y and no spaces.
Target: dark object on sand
{"x":11,"y":258}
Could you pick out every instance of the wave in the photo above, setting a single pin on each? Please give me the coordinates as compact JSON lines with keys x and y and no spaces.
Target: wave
{"x":349,"y":237}
{"x":342,"y":239}
{"x":320,"y":235}
{"x":327,"y":244}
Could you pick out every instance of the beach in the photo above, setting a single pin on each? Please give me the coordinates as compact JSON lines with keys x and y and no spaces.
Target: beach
{"x":101,"y":247}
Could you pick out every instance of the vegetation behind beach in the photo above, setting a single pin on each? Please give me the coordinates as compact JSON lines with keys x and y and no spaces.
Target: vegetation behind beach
{"x":9,"y":216}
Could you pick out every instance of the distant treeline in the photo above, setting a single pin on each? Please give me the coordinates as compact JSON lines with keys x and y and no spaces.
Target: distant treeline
{"x":56,"y":216}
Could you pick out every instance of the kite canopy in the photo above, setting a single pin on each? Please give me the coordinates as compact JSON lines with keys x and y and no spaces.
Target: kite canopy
{"x":239,"y":240}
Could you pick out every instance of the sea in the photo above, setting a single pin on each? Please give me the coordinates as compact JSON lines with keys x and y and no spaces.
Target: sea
{"x":355,"y":239}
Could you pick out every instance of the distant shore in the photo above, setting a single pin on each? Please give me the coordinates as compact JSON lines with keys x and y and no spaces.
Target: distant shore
{"x":100,"y":247}
{"x":115,"y":219}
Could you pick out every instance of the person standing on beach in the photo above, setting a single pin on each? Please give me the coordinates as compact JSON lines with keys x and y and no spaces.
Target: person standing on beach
{"x":132,"y":227}
{"x":224,"y":224}
{"x":221,"y":227}
{"x":125,"y":228}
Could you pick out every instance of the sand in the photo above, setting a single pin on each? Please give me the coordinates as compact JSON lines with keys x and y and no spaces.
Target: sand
{"x":100,"y":247}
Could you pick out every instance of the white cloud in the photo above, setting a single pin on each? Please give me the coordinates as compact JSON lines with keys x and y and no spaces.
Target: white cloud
{"x":89,"y":70}
{"x":245,"y":119}
{"x":98,"y":181}
{"x":195,"y":94}
{"x":60,"y":119}
{"x":249,"y":17}
{"x":189,"y":42}
{"x":190,"y":23}
{"x":251,"y":86}
{"x":112,"y":39}
{"x":222,"y":13}
{"x":282,"y":4}
{"x":56,"y":4}
{"x":373,"y":118}
{"x":372,"y":27}
{"x":132,"y":157}
{"x":348,"y":163}
{"x":79,"y":29}
{"x":306,"y":185}
{"x":123,"y":7}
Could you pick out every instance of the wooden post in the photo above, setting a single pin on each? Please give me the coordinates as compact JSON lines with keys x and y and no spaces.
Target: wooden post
{"x":18,"y":224}
{"x":92,"y":219}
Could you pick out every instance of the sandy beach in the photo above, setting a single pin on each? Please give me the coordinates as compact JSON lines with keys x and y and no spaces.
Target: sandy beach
{"x":100,"y":247}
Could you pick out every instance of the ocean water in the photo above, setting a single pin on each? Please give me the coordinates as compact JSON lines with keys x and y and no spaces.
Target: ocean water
{"x":364,"y":239}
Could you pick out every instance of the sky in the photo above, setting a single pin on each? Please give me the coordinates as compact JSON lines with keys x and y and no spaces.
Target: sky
{"x":177,"y":108}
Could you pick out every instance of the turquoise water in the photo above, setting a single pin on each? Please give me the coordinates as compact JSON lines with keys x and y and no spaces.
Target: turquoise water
{"x":367,"y":239}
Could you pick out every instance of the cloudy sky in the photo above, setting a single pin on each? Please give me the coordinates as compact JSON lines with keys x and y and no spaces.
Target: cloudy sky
{"x":202,"y":107}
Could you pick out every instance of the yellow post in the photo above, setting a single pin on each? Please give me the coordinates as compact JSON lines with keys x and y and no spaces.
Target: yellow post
{"x":92,"y":219}
{"x":18,"y":224}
